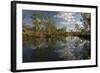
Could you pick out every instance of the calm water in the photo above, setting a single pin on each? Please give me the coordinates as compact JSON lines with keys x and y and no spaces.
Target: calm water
{"x":56,"y":49}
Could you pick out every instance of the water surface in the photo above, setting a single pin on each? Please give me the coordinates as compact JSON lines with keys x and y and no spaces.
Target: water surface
{"x":56,"y":49}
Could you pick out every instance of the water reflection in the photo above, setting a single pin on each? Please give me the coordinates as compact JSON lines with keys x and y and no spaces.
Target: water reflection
{"x":56,"y":49}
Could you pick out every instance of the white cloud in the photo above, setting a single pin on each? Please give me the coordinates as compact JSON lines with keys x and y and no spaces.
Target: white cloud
{"x":69,"y":20}
{"x":79,"y":22}
{"x":69,"y":17}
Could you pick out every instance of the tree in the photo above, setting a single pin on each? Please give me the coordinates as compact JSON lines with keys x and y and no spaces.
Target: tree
{"x":43,"y":22}
{"x":36,"y":20}
{"x":77,"y":27}
{"x":86,"y":19}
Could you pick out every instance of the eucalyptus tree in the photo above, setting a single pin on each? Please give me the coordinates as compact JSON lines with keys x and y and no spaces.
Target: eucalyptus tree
{"x":43,"y":22}
{"x":77,"y":28}
{"x":86,"y":19}
{"x":36,"y":20}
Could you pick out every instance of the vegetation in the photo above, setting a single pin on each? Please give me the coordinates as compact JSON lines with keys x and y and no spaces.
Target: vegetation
{"x":44,"y":26}
{"x":44,"y":41}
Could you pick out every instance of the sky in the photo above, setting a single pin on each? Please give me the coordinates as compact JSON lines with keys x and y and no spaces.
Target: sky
{"x":62,"y":19}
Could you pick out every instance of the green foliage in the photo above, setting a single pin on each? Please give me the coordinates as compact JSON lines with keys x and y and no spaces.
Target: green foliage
{"x":77,"y":27}
{"x":86,"y":19}
{"x":44,"y":26}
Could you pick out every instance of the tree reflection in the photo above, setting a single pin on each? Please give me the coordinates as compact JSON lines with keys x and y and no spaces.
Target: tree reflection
{"x":57,"y":49}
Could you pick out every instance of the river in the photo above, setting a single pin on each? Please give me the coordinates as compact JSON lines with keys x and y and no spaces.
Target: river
{"x":56,"y":49}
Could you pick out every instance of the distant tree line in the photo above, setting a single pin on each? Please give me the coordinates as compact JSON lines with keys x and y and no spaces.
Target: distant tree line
{"x":45,"y":26}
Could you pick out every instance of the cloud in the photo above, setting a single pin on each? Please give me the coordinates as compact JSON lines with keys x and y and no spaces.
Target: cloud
{"x":66,"y":16}
{"x":79,"y":22}
{"x":68,"y":19}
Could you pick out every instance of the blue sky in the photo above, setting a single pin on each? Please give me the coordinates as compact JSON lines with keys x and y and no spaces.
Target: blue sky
{"x":62,"y":19}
